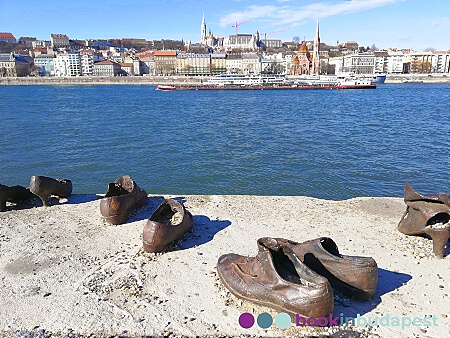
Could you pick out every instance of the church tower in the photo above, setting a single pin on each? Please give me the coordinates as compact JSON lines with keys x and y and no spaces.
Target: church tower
{"x":203,"y":39}
{"x":316,"y":59}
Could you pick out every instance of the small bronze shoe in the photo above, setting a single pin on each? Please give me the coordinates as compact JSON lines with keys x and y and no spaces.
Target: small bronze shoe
{"x":355,"y":277}
{"x":277,"y":278}
{"x":43,"y":187}
{"x":121,"y":198}
{"x":169,"y":222}
{"x":15,"y":194}
{"x":427,"y":214}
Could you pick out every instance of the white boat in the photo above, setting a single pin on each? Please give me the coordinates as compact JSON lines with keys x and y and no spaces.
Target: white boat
{"x":246,"y":80}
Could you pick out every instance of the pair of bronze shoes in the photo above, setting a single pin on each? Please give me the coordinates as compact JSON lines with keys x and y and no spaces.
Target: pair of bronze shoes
{"x":40,"y":186}
{"x":169,"y":222}
{"x":427,"y":214}
{"x":298,"y":278}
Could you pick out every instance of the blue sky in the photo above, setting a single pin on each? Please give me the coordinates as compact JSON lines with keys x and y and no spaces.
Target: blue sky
{"x":416,"y":24}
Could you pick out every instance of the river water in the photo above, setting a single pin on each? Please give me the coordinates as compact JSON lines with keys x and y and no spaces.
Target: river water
{"x":322,"y":143}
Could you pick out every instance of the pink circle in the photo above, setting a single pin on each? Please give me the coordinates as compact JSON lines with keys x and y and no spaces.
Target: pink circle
{"x":246,"y":320}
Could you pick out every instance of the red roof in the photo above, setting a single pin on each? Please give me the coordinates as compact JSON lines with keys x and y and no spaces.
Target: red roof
{"x":6,"y":36}
{"x":59,"y":36}
{"x":165,"y":53}
{"x":106,"y":62}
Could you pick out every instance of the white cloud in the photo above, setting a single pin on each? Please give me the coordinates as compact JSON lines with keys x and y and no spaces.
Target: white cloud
{"x":441,"y":21}
{"x":295,"y":15}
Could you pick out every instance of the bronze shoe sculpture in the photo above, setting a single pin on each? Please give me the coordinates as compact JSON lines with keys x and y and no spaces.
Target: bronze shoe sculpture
{"x":169,"y":222}
{"x":277,"y":278}
{"x":354,"y":277}
{"x":427,"y":214}
{"x":121,"y":198}
{"x":43,"y":187}
{"x":15,"y":194}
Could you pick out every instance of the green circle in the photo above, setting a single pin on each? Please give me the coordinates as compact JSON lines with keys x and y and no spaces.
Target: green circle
{"x":264,"y":320}
{"x":283,"y":320}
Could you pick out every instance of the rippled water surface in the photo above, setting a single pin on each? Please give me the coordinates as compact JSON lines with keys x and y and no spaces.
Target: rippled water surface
{"x":325,"y":144}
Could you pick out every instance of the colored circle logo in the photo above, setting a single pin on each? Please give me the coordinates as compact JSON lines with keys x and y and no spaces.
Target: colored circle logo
{"x":283,"y":320}
{"x":246,"y":320}
{"x":264,"y":320}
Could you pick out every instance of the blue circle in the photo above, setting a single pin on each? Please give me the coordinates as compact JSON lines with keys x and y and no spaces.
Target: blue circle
{"x":283,"y":320}
{"x":264,"y":320}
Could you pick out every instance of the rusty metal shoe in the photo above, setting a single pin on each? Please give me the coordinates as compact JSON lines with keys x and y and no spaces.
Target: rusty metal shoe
{"x":15,"y":194}
{"x":169,"y":222}
{"x":121,"y":198}
{"x":277,"y":278}
{"x":43,"y":187}
{"x":353,"y":276}
{"x":427,"y":214}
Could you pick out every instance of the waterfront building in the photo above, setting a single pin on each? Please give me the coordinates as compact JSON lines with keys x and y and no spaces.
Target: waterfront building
{"x":12,"y":65}
{"x":218,"y":63}
{"x":87,"y":62}
{"x":126,"y":69}
{"x":233,"y":63}
{"x":359,"y":63}
{"x":67,"y":64}
{"x":381,"y":62}
{"x":59,"y":40}
{"x":420,"y":62}
{"x":147,"y":65}
{"x":193,"y":64}
{"x":337,"y":64}
{"x":251,"y":63}
{"x":45,"y":64}
{"x":106,"y":68}
{"x":440,"y":62}
{"x":7,"y":37}
{"x":395,"y":62}
{"x":165,"y":62}
{"x":301,"y":63}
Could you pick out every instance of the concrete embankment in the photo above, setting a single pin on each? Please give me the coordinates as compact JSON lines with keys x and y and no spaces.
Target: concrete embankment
{"x":94,"y":80}
{"x":173,"y":80}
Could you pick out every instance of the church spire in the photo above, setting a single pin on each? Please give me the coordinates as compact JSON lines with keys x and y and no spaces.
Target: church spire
{"x":203,"y":39}
{"x":316,"y":58}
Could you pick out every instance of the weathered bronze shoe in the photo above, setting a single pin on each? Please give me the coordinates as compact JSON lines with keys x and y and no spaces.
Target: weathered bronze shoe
{"x":427,"y":214}
{"x":277,"y":278}
{"x":355,"y":277}
{"x":121,"y":198}
{"x":169,"y":222}
{"x":15,"y":194}
{"x":43,"y":187}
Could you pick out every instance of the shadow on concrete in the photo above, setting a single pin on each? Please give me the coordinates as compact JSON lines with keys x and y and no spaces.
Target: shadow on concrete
{"x":388,"y":281}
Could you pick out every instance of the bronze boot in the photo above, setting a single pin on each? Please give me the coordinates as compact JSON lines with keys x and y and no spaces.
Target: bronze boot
{"x":427,"y":214}
{"x":43,"y":187}
{"x":121,"y":198}
{"x":169,"y":222}
{"x":15,"y":194}
{"x":355,"y":277}
{"x":277,"y":278}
